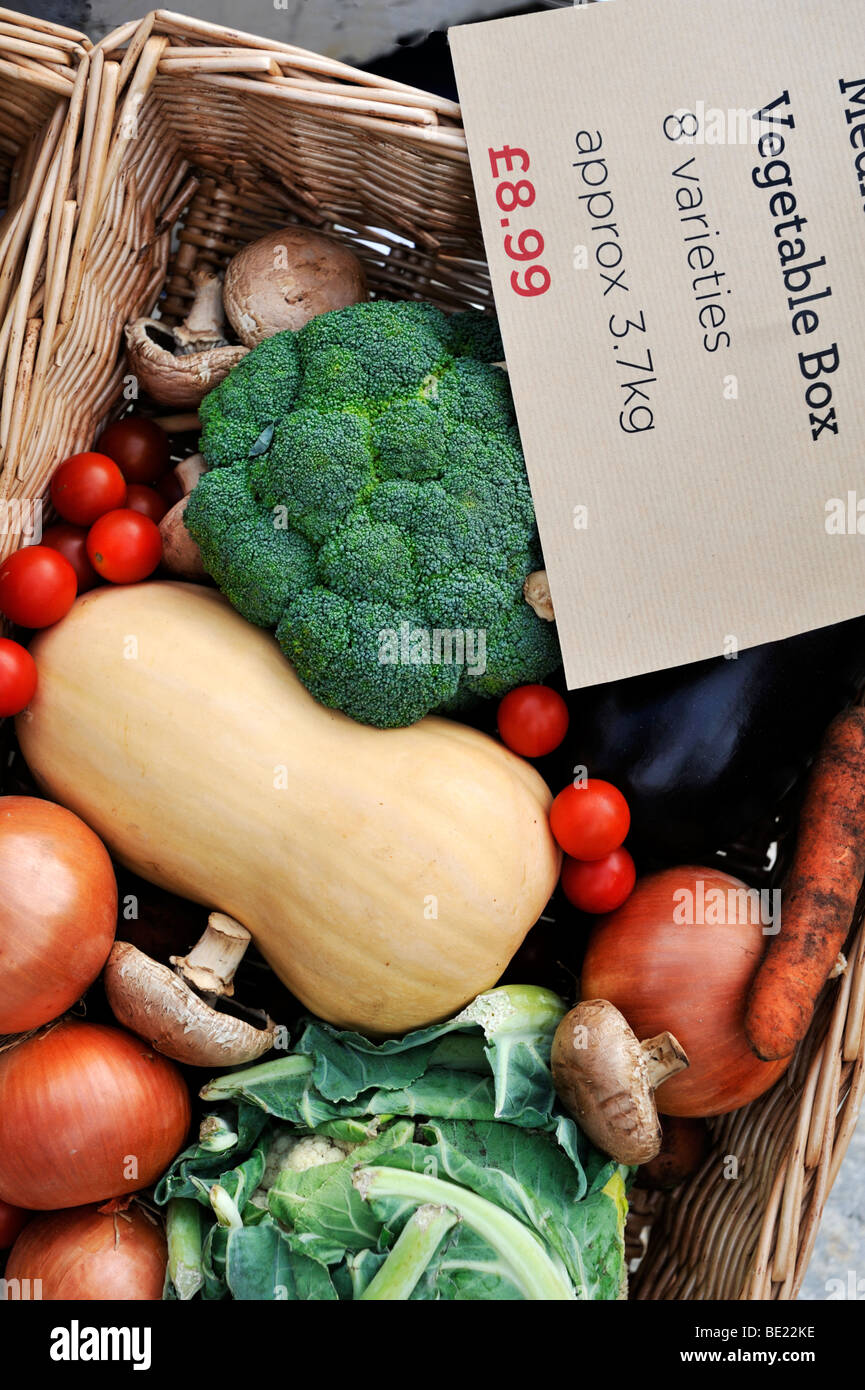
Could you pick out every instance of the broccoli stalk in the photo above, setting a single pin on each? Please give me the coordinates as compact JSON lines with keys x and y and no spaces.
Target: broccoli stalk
{"x":367,"y":498}
{"x":418,"y":1241}
{"x":537,"y":1274}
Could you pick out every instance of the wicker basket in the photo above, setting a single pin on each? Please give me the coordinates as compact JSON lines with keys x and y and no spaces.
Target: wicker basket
{"x":166,"y":148}
{"x":43,"y":79}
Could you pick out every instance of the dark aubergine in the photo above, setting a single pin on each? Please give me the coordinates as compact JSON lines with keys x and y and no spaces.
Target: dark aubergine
{"x":709,"y":754}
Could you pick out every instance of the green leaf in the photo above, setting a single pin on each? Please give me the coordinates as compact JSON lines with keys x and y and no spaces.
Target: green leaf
{"x":351,"y":1131}
{"x":530,"y":1263}
{"x":261,"y":1264}
{"x":323,"y":1201}
{"x":263,"y":442}
{"x":453,"y":1095}
{"x":196,"y":1170}
{"x":411,"y":1254}
{"x":213,"y":1263}
{"x":519,"y":1022}
{"x":526,"y":1174}
{"x":362,"y":1267}
{"x":467,"y":1269}
{"x":346,"y":1064}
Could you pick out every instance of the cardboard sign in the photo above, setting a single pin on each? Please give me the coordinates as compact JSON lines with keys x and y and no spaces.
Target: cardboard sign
{"x":672,"y":196}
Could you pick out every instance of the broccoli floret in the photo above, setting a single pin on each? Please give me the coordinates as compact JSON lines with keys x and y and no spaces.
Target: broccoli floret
{"x":261,"y":389}
{"x":368,"y":499}
{"x":473,"y":334}
{"x":258,"y":562}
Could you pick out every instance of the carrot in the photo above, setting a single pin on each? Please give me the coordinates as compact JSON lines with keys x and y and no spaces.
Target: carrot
{"x":817,"y":905}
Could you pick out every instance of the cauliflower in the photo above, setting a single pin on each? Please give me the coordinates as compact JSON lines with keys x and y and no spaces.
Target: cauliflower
{"x":291,"y":1153}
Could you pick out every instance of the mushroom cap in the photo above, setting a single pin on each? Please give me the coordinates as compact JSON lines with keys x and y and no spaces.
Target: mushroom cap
{"x":601,"y":1076}
{"x":287,"y":278}
{"x":149,"y":999}
{"x":180,"y":552}
{"x":179,"y":379}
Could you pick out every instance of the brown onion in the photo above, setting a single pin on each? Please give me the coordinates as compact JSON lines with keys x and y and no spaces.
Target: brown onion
{"x":83,"y":1254}
{"x":692,"y":979}
{"x":684,"y":1145}
{"x":86,"y":1113}
{"x":58,"y":911}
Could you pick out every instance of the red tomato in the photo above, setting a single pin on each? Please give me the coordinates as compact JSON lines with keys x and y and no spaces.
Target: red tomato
{"x":17,"y":680}
{"x":147,"y":501}
{"x":12,"y":1222}
{"x":124,"y":546}
{"x":71,"y":541}
{"x":37,"y":586}
{"x":590,"y":820}
{"x":533,"y":720}
{"x":599,"y":885}
{"x":86,"y":486}
{"x":139,"y":447}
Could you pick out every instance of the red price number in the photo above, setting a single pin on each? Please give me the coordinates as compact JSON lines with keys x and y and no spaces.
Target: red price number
{"x":512,"y":195}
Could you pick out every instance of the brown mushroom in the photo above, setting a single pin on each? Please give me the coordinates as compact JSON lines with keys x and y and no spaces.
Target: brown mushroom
{"x":189,"y":472}
{"x":536,"y":592}
{"x":606,"y":1079}
{"x":173,"y":1009}
{"x":180,"y":552}
{"x":287,"y":278}
{"x":179,"y":366}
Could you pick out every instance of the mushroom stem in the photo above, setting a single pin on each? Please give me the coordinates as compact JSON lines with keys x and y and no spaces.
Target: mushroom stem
{"x":664,"y":1057}
{"x":204,"y":325}
{"x":186,"y":423}
{"x":213,"y":960}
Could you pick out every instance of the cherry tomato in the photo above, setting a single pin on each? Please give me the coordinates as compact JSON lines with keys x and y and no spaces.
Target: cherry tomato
{"x":71,"y":541}
{"x":139,"y":447}
{"x":37,"y":586}
{"x":599,"y":885}
{"x":12,"y":1222}
{"x":17,"y":688}
{"x":533,"y":720}
{"x":147,"y":501}
{"x":86,"y":486}
{"x":590,"y":820}
{"x":124,"y":546}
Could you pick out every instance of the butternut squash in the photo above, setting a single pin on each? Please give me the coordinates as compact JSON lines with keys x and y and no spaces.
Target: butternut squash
{"x":387,"y":875}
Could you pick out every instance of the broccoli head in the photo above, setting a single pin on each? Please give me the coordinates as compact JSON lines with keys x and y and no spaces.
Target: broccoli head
{"x":367,"y":498}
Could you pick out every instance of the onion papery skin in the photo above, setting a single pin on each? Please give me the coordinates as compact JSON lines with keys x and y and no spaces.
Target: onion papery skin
{"x":84,"y":1255}
{"x":87,"y":1112}
{"x":58,"y":911}
{"x":689,"y":978}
